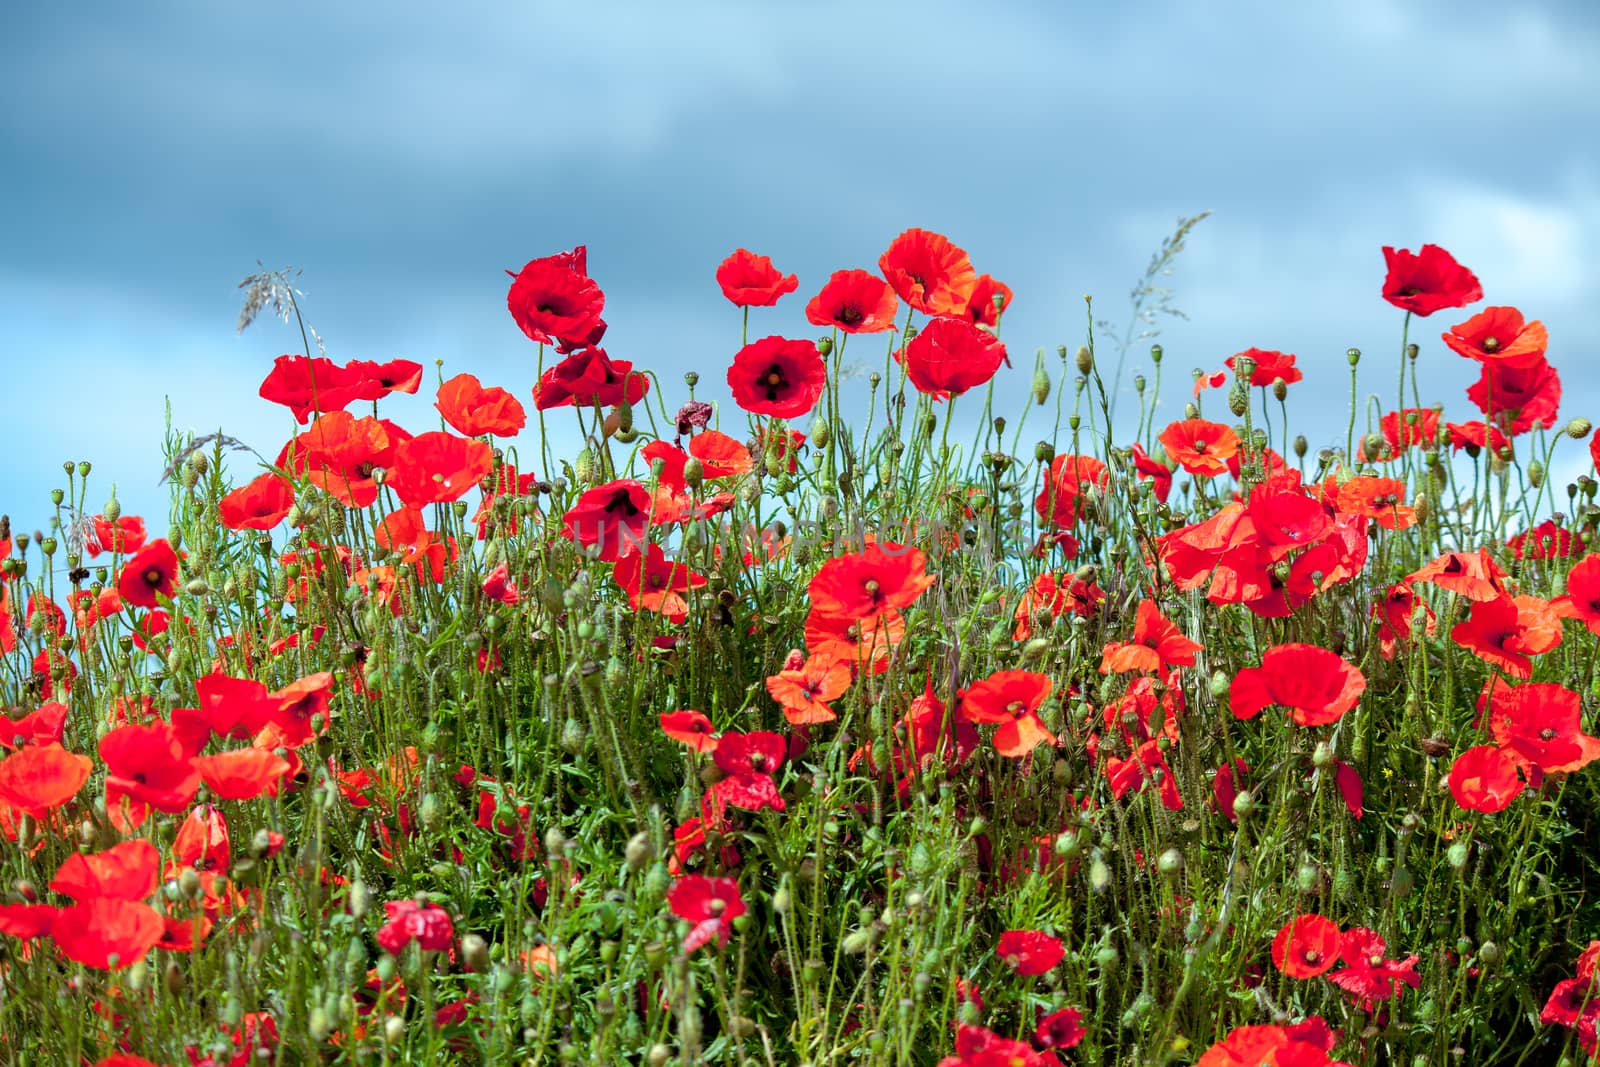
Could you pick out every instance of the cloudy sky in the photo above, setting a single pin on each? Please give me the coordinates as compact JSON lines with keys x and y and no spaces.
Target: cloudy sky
{"x":152,"y":153}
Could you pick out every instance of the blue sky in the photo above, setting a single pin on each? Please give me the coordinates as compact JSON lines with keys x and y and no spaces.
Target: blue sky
{"x":152,"y":153}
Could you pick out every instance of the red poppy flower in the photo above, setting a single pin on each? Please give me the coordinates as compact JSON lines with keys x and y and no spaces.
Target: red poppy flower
{"x":476,"y":411}
{"x":553,"y":299}
{"x":427,"y":924}
{"x":1062,"y":1028}
{"x":690,"y":728}
{"x":865,"y":584}
{"x":150,"y":767}
{"x":1306,"y":946}
{"x":749,"y":280}
{"x":1379,"y":499}
{"x":709,"y":904}
{"x":203,"y":841}
{"x":242,"y":774}
{"x":977,"y":1047}
{"x":1411,"y":428}
{"x":129,"y":871}
{"x":1030,"y":952}
{"x":1507,"y":631}
{"x":1202,"y":448}
{"x":1545,"y":541}
{"x":40,"y":778}
{"x":951,"y":355}
{"x":45,"y":725}
{"x":982,"y":308}
{"x":1541,"y":725}
{"x":124,"y":535}
{"x":1316,"y":685}
{"x":340,"y":454}
{"x":1518,"y":399}
{"x":1147,"y":764}
{"x":1367,"y":975}
{"x":304,"y":385}
{"x":374,"y":381}
{"x":438,"y":467}
{"x":1056,"y":596}
{"x":654,"y":583}
{"x":929,"y":273}
{"x":1484,"y":778}
{"x":803,"y":694}
{"x":260,"y":505}
{"x":777,"y":377}
{"x":1428,"y":281}
{"x":1070,"y":476}
{"x":1498,"y":336}
{"x":1157,"y":644}
{"x":613,"y":516}
{"x":107,"y":933}
{"x":1472,"y":435}
{"x":1582,"y":599}
{"x":1012,"y":699}
{"x":151,"y":572}
{"x":589,"y":377}
{"x":1270,"y":366}
{"x":1146,"y":466}
{"x":855,"y":301}
{"x":1473,"y":575}
{"x":863,"y":647}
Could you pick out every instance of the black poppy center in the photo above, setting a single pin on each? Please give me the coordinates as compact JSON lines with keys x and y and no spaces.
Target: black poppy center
{"x":773,"y":381}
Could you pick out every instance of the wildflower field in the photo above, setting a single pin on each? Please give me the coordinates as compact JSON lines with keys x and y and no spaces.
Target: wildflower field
{"x":824,"y":726}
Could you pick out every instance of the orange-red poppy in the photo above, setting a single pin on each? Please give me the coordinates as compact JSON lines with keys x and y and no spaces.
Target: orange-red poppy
{"x":929,"y":273}
{"x":1316,"y":685}
{"x":1157,"y":644}
{"x":1202,"y":448}
{"x":476,"y":411}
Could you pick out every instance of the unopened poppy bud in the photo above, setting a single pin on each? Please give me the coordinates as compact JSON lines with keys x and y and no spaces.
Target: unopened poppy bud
{"x":1084,"y":360}
{"x":1099,"y":874}
{"x":1300,"y":446}
{"x":1322,"y":756}
{"x":658,"y":1055}
{"x":1170,"y":862}
{"x":1244,"y":368}
{"x":637,"y":852}
{"x":1280,"y":390}
{"x":113,"y":510}
{"x":394,"y":1030}
{"x":1353,"y":355}
{"x":1372,"y":446}
{"x":1244,"y":804}
{"x":1535,"y":473}
{"x":1044,"y":452}
{"x":1307,"y":878}
{"x":1457,"y":855}
{"x":1421,"y":506}
{"x":694,"y":472}
{"x":1041,"y":386}
{"x":1220,"y":684}
{"x":1579,"y":428}
{"x":359,"y":899}
{"x":1190,"y":411}
{"x":475,"y":953}
{"x":1108,"y":957}
{"x":821,"y":434}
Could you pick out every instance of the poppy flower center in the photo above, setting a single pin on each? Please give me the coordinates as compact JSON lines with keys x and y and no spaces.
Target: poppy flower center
{"x":152,"y":577}
{"x":849,"y":315}
{"x":621,"y":505}
{"x":1548,"y":734}
{"x":1410,"y":290}
{"x":773,"y":381}
{"x":716,"y":907}
{"x":1491,"y":344}
{"x":1311,"y":955}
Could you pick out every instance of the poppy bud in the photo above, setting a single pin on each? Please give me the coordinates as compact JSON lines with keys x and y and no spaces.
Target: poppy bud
{"x":1107,"y":957}
{"x":1170,"y":862}
{"x":694,"y":473}
{"x":1535,"y":473}
{"x":1220,"y":684}
{"x":1099,"y":873}
{"x":1280,"y":390}
{"x":1190,"y":411}
{"x":1353,"y":355}
{"x":1244,"y":803}
{"x":1308,"y":877}
{"x":1300,"y":446}
{"x":1041,"y":386}
{"x":1457,"y":855}
{"x":1084,"y":360}
{"x":1421,"y":506}
{"x":1579,"y":428}
{"x":1412,"y":351}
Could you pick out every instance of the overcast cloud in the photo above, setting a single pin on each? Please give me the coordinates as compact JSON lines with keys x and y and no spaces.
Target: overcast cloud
{"x":403,"y":158}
